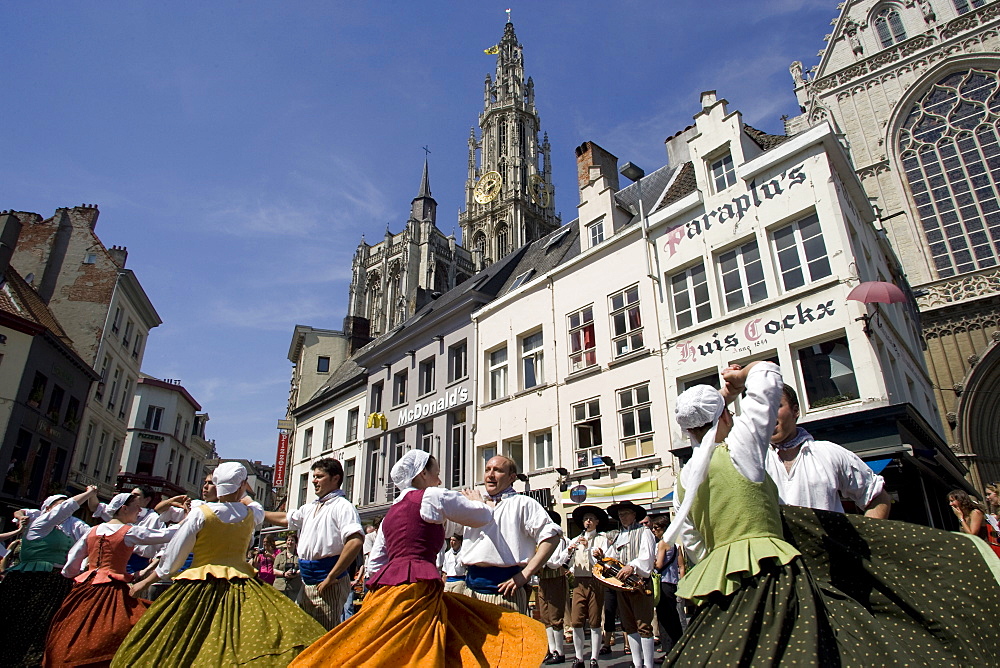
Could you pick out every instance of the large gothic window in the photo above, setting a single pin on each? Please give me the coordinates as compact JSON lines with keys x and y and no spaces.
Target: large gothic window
{"x":479,"y":246}
{"x":374,"y":307}
{"x":889,"y":27}
{"x":949,"y":148}
{"x":502,"y":137}
{"x":503,"y":241}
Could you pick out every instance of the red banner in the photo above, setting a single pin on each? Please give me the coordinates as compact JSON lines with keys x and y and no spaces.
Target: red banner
{"x":279,"y":464}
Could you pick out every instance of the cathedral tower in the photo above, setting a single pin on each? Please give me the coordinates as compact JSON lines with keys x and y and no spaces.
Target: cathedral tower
{"x":509,"y":198}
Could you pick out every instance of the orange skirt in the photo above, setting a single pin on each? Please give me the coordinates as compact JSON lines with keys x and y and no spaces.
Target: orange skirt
{"x":422,"y":626}
{"x":91,"y":623}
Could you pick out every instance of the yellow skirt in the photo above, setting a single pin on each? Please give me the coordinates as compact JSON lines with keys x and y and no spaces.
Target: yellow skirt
{"x":422,"y":626}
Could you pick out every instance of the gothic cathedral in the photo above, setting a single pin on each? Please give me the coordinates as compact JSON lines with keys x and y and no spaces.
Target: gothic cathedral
{"x":509,"y":202}
{"x":509,"y":198}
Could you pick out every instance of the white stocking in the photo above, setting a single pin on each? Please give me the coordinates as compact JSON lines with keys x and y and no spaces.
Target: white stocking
{"x":635,"y":645}
{"x":648,"y":648}
{"x":578,"y":643}
{"x":595,"y":643}
{"x":560,"y":641}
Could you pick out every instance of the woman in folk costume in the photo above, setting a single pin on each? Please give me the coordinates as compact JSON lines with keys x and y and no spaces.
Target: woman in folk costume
{"x":759,"y":601}
{"x":408,"y":619}
{"x":216,"y":613}
{"x":32,"y":591}
{"x":99,"y":612}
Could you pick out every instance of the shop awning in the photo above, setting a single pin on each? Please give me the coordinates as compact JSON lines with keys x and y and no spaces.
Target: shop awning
{"x":642,"y":491}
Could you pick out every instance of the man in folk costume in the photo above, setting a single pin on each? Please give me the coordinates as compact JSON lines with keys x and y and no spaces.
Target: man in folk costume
{"x":552,"y":594}
{"x":452,"y":568}
{"x":635,"y":547}
{"x":501,"y":556}
{"x":330,"y":537}
{"x":588,"y":594}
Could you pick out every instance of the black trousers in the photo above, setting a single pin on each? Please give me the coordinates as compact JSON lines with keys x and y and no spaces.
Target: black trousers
{"x":610,"y":610}
{"x":668,"y":616}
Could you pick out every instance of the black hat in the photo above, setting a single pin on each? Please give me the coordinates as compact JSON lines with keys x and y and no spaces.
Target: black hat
{"x":640,"y":512}
{"x":555,"y":517}
{"x":603,"y":521}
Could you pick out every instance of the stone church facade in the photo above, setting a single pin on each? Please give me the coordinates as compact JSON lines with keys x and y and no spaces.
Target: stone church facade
{"x":914,"y":86}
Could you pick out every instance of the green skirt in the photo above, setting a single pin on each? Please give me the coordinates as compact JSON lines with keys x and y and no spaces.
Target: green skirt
{"x":863,"y":593}
{"x":213,"y":622}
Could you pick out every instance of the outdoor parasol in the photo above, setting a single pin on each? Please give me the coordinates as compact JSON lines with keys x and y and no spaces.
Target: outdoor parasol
{"x":875,"y":292}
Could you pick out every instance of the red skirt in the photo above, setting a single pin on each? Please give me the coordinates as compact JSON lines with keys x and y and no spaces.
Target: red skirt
{"x":91,"y":623}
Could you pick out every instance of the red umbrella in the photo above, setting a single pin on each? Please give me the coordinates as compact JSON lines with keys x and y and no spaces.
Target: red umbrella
{"x":877,"y":291}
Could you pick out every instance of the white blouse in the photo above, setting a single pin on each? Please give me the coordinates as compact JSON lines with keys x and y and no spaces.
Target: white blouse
{"x":438,"y":506}
{"x":138,"y":535}
{"x":59,"y":516}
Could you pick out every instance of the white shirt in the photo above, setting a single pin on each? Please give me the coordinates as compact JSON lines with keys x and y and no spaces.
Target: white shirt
{"x":182,"y":544}
{"x":821,"y":474}
{"x":645,"y":559}
{"x":450,"y":564}
{"x":325,"y":525}
{"x":581,"y":551}
{"x":519,"y":524}
{"x":138,"y":535}
{"x":61,"y":517}
{"x":748,"y":440}
{"x":438,"y":506}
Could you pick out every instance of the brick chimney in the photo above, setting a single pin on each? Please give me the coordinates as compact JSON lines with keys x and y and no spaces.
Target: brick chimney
{"x":119,"y":254}
{"x":10,"y":230}
{"x":591,"y":158}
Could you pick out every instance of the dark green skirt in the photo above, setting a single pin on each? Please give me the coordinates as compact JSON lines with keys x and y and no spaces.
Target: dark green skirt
{"x":238,"y":622}
{"x":864,"y":593}
{"x":28,"y":601}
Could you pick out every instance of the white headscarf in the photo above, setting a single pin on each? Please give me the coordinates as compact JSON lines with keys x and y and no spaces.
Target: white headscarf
{"x":407,"y":468}
{"x":228,"y":476}
{"x":696,"y":407}
{"x":52,"y":499}
{"x":117,"y":502}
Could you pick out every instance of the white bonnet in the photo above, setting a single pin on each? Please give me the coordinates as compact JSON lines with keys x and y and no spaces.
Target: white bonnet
{"x":408,"y":467}
{"x":52,"y":499}
{"x":117,"y":502}
{"x":698,"y":406}
{"x":228,"y":476}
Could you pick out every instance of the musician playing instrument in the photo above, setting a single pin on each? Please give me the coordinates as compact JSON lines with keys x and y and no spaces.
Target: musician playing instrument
{"x":588,"y":594}
{"x":636,"y":548}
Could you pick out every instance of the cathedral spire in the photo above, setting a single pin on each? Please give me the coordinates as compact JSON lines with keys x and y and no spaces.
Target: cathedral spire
{"x":425,"y":183}
{"x":423,"y":207}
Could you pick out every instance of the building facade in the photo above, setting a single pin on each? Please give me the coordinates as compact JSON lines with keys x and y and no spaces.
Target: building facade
{"x":106,"y":314}
{"x":44,"y":385}
{"x":166,"y":447}
{"x":913,"y":86}
{"x":509,"y":196}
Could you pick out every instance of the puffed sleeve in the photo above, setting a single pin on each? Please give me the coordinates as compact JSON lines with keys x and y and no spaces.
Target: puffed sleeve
{"x":855,"y":479}
{"x":441,"y":505}
{"x":536,"y":521}
{"x":75,"y":558}
{"x":752,"y":428}
{"x":181,"y":545}
{"x":377,"y":557}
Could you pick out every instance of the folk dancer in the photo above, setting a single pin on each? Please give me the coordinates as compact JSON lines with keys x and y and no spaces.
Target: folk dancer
{"x":635,"y":547}
{"x":501,"y":556}
{"x":99,"y":612}
{"x":407,"y":618}
{"x":216,"y":613}
{"x":588,"y":594}
{"x":33,"y":590}
{"x":816,"y":474}
{"x":452,"y":568}
{"x":551,"y":599}
{"x":330,"y":538}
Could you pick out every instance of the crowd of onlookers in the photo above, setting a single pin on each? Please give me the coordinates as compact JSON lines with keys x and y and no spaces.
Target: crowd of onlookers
{"x":973,"y":519}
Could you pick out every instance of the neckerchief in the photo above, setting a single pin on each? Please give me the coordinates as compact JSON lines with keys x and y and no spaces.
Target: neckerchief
{"x":800,"y":437}
{"x":320,"y":502}
{"x":497,"y":498}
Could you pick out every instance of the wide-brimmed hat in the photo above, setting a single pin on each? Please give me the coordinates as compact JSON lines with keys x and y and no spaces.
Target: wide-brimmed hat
{"x":555,"y":517}
{"x":603,"y":521}
{"x":640,"y":512}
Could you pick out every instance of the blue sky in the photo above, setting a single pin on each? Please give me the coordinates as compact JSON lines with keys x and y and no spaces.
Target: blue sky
{"x":240,"y":149}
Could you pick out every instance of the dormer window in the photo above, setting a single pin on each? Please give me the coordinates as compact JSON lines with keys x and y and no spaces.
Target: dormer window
{"x":889,"y":27}
{"x":723,"y":172}
{"x":595,"y":232}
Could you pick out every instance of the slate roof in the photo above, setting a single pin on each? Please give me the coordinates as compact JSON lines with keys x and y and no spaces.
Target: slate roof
{"x":684,"y":184}
{"x":762,"y":139}
{"x":652,"y":188}
{"x":20,"y":299}
{"x":545,"y":254}
{"x":343,"y":374}
{"x":487,"y":283}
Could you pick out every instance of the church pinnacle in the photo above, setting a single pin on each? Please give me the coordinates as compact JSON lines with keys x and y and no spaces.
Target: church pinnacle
{"x":509,"y":195}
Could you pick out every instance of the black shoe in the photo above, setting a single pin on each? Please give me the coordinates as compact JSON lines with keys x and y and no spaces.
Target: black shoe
{"x":548,"y":655}
{"x":554,"y":659}
{"x":593,"y":664}
{"x":604,"y":650}
{"x":578,"y":664}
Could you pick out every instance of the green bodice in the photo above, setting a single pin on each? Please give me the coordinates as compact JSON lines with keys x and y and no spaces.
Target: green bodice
{"x":741,"y":524}
{"x":44,"y":554}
